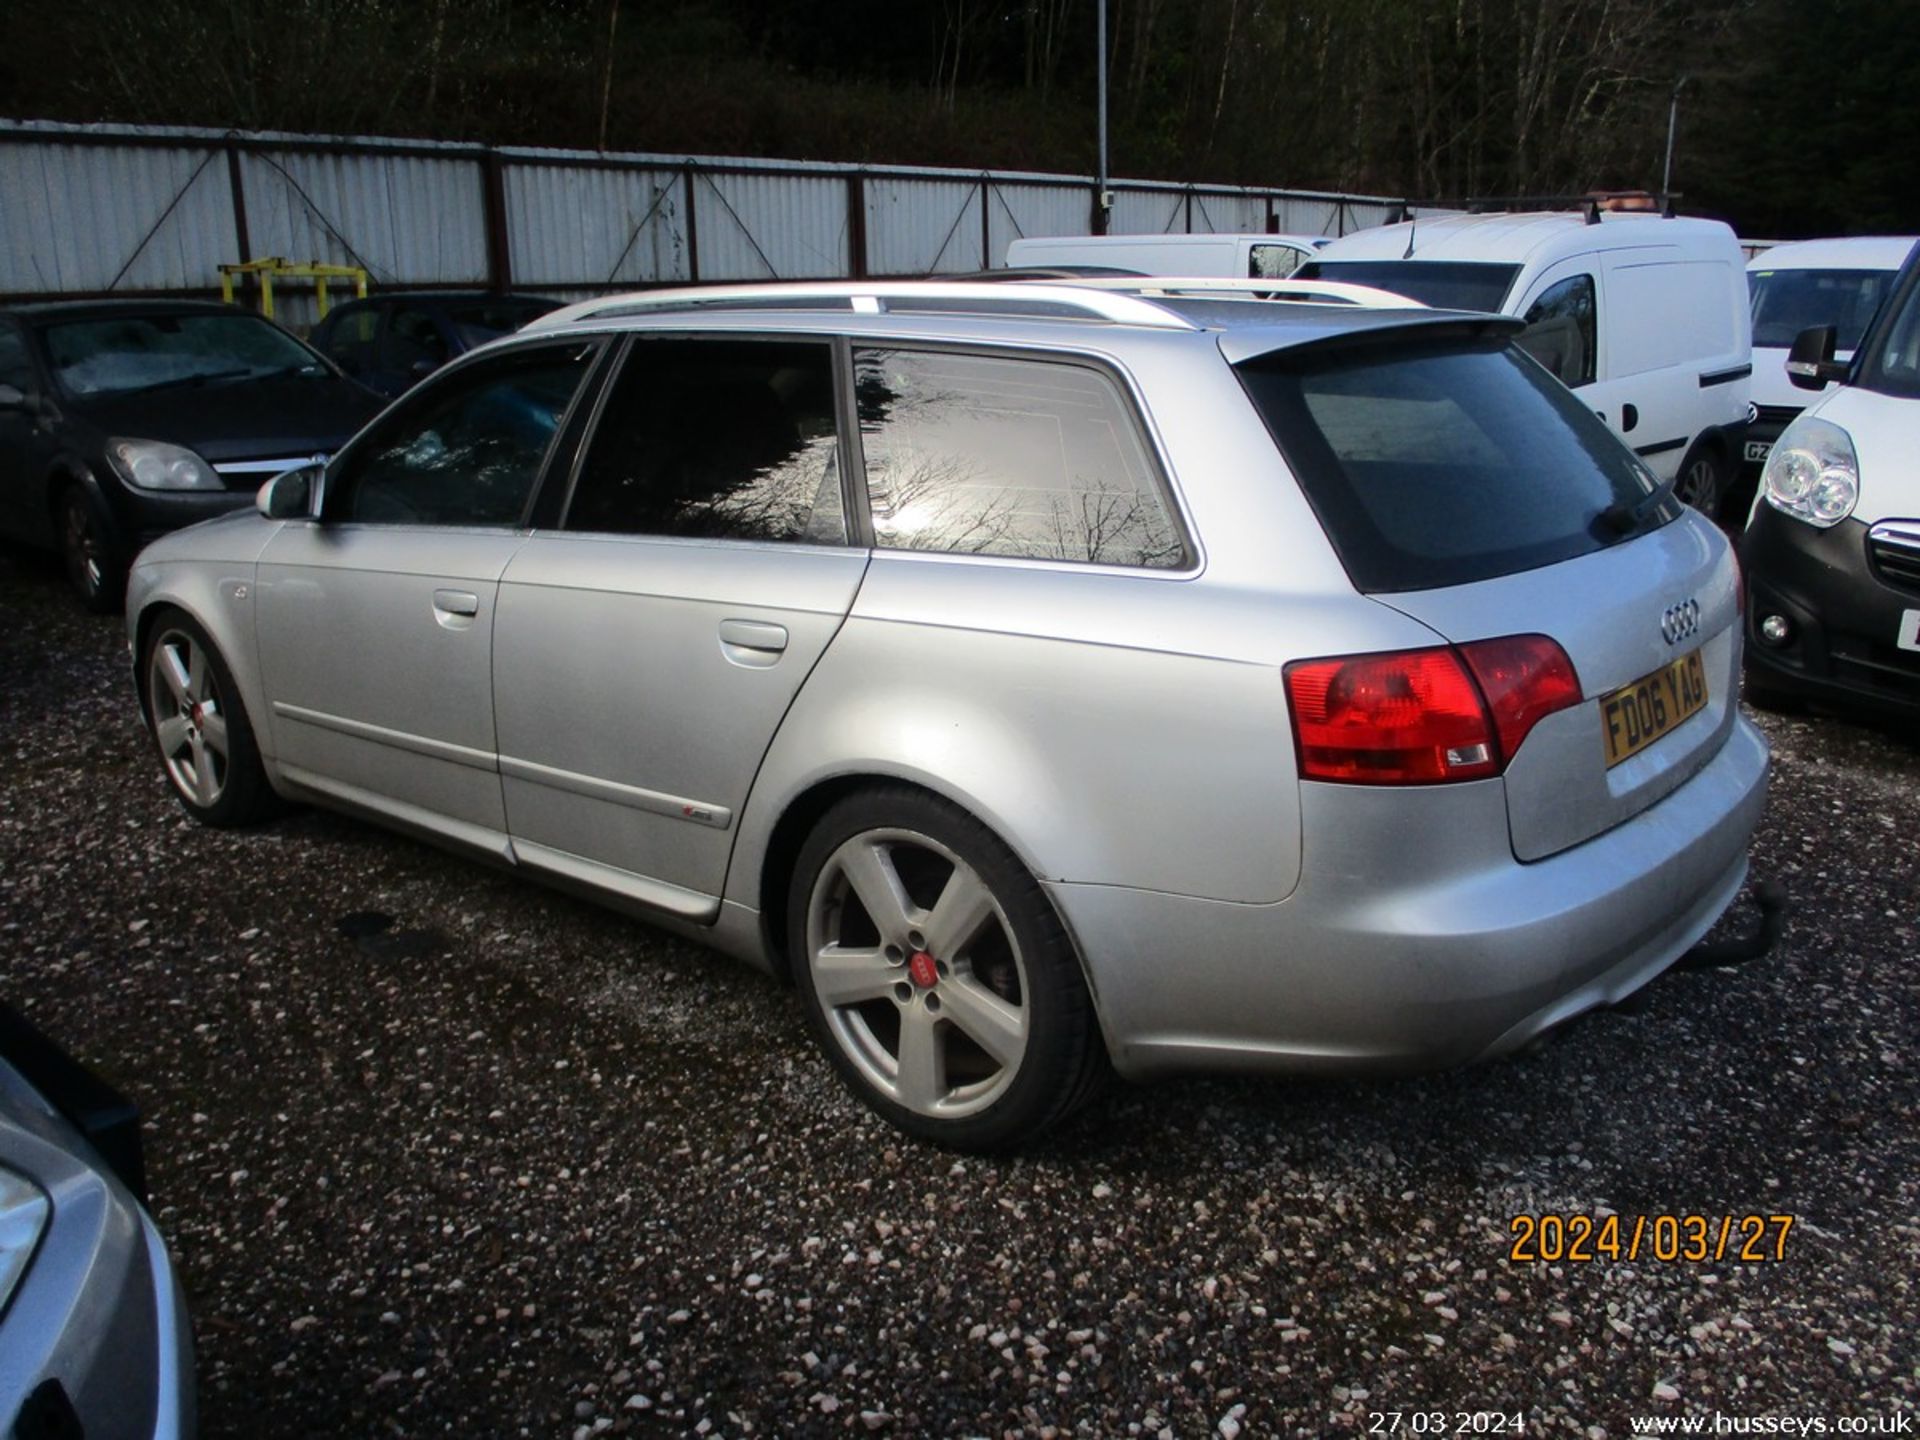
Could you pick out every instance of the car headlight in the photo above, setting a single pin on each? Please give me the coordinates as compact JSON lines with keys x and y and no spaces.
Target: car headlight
{"x":23,"y":1215}
{"x":156,"y":465}
{"x":1812,"y":472}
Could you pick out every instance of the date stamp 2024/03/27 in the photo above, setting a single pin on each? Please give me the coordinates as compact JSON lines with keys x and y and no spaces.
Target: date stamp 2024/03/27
{"x":1577,"y":1238}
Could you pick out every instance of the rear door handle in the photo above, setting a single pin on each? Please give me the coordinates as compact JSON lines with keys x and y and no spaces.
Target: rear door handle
{"x":456,"y":602}
{"x":755,"y":644}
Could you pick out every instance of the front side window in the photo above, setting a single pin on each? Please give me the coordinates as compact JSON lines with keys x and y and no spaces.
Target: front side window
{"x":1560,"y":331}
{"x":463,"y":452}
{"x":1892,"y":364}
{"x":1273,"y":262}
{"x":979,"y":455}
{"x":15,"y":368}
{"x":719,"y":440}
{"x":154,"y":351}
{"x":414,"y":342}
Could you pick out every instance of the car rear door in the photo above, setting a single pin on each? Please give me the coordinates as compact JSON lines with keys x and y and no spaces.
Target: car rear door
{"x":376,"y":618}
{"x":646,"y":650}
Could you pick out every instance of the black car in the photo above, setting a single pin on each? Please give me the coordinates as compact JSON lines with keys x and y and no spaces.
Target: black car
{"x":122,"y":420}
{"x":389,"y":341}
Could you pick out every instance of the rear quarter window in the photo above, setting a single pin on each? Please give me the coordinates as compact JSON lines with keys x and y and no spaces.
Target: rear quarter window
{"x":1442,"y":463}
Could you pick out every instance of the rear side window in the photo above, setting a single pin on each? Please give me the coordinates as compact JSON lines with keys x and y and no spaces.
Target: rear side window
{"x":1032,"y":459}
{"x":716,"y":439}
{"x":1444,"y":463}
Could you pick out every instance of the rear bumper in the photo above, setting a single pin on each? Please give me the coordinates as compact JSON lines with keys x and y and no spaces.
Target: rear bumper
{"x":1846,"y":619}
{"x":1402,"y":950}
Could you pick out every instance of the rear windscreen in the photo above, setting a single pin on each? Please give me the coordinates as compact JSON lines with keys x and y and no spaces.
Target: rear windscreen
{"x":1443,"y":284}
{"x":1441,"y":463}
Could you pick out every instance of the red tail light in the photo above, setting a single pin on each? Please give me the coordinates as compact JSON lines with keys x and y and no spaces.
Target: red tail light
{"x":1418,"y":717}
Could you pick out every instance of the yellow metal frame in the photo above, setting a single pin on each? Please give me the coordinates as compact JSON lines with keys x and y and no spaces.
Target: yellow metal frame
{"x":274,"y":268}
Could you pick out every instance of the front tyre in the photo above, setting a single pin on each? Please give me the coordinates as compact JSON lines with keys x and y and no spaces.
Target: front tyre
{"x":94,"y":569}
{"x":200,"y":727}
{"x":937,"y":975}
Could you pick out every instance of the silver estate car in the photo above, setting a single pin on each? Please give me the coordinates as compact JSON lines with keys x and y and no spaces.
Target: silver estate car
{"x":1043,"y":677}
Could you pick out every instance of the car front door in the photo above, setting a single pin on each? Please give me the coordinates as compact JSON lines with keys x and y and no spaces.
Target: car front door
{"x":376,"y":618}
{"x":645,"y":652}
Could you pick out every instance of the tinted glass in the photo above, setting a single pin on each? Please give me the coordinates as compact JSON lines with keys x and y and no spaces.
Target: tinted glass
{"x":1443,"y":284}
{"x":466,"y":452}
{"x":347,"y":337}
{"x":985,"y":456}
{"x":145,"y":352}
{"x":716,"y":439}
{"x":1560,"y":330}
{"x":1444,"y":463}
{"x":1785,"y":302}
{"x":15,"y":368}
{"x":1892,"y":363}
{"x":496,"y":317}
{"x":414,"y":339}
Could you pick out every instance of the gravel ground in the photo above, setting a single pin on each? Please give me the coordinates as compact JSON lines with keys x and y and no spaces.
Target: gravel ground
{"x":530,"y":1169}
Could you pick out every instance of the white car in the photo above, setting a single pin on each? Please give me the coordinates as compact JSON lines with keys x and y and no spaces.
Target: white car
{"x":1796,"y":286}
{"x":1644,"y":315}
{"x":1247,"y":257}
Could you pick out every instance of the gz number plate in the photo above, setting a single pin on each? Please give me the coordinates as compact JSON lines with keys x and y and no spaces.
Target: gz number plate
{"x":1636,"y":715}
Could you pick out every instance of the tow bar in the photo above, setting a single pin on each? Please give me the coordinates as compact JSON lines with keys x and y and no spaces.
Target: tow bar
{"x":1770,"y":899}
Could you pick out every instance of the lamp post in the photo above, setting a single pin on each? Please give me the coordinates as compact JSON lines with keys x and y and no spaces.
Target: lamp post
{"x":1673,"y":120}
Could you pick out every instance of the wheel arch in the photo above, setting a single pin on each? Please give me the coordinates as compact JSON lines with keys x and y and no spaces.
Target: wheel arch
{"x":803,"y":811}
{"x":229,"y":631}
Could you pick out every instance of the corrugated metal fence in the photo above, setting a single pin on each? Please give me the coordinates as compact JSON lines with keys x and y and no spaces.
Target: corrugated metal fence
{"x":92,"y":210}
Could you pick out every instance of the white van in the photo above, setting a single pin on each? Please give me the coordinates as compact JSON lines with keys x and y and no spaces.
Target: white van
{"x":1832,"y":548}
{"x":1253,"y":257}
{"x":1644,"y":315}
{"x":1799,"y":285}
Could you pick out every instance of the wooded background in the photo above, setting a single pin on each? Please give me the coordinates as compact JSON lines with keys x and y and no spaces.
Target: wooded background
{"x":1797,"y":117}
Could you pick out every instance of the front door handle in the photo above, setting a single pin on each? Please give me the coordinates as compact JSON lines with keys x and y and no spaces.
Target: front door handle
{"x":456,"y":602}
{"x":754,"y":644}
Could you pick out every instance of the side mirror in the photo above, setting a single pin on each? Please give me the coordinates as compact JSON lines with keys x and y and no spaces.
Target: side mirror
{"x":1810,"y":363}
{"x":288,"y":495}
{"x":12,"y":397}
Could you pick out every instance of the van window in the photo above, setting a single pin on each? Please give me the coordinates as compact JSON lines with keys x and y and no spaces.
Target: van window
{"x":1445,"y":462}
{"x":1785,"y":302}
{"x":1443,"y":284}
{"x":1668,"y":313}
{"x":1560,"y":330}
{"x":1273,"y":262}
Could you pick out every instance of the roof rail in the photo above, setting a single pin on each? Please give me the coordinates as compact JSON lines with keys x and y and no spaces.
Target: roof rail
{"x":1591,"y":204}
{"x":871,"y":297}
{"x":1339,"y":292}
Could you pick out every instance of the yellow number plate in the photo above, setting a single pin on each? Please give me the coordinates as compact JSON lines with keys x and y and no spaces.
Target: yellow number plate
{"x":1636,"y":715}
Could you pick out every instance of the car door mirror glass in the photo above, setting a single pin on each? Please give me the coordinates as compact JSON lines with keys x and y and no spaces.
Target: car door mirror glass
{"x":288,"y":495}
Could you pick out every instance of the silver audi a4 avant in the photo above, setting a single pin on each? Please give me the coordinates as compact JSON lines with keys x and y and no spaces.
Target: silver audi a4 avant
{"x":1046,"y":678}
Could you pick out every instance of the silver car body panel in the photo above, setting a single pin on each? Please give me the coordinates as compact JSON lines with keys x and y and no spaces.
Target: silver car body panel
{"x":376,"y":655}
{"x":648,"y":710}
{"x":1605,"y":610}
{"x":638,"y":682}
{"x":99,"y":1308}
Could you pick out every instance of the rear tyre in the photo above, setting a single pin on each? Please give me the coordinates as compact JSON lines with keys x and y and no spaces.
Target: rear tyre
{"x":200,"y":727}
{"x":95,"y":570}
{"x":937,"y":975}
{"x":1703,"y":479}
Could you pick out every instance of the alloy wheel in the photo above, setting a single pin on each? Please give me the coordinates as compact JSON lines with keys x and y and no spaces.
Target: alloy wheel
{"x":189,"y":718}
{"x":918,"y":974}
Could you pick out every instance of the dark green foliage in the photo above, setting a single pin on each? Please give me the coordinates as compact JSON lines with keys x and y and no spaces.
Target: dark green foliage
{"x":1795,"y":118}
